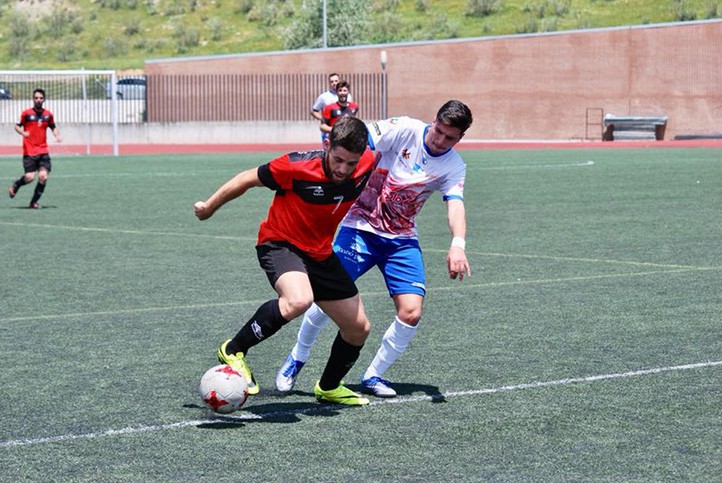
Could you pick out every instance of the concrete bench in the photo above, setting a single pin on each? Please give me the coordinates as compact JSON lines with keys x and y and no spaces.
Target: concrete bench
{"x":634,"y":128}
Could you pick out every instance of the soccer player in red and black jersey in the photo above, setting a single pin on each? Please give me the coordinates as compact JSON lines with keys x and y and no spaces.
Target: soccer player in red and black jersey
{"x":33,"y":126}
{"x":343,"y":107}
{"x":314,"y":190}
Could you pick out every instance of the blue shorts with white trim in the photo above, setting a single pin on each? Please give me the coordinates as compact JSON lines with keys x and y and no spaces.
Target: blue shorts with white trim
{"x":399,"y":259}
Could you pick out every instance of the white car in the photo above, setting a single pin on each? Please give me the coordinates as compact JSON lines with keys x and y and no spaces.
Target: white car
{"x":5,"y":93}
{"x":127,"y":88}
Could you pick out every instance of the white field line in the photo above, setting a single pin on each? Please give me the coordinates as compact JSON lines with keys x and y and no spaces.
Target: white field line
{"x":456,"y":287}
{"x":472,"y":167}
{"x":577,"y":259}
{"x":581,"y":164}
{"x":247,"y":416}
{"x":430,"y":250}
{"x":132,"y":232}
{"x":583,"y":278}
{"x":145,"y":175}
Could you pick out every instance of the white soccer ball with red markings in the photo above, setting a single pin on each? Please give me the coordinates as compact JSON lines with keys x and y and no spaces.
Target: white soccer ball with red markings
{"x":223,"y":389}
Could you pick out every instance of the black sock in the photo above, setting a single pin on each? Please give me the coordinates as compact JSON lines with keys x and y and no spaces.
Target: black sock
{"x":343,"y":357}
{"x":265,"y":322}
{"x":39,"y":188}
{"x":18,"y":183}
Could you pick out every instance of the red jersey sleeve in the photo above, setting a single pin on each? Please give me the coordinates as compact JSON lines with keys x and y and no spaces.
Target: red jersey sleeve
{"x":327,"y":114}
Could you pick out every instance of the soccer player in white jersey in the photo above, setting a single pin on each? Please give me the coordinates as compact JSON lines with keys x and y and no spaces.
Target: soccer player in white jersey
{"x":415,"y":159}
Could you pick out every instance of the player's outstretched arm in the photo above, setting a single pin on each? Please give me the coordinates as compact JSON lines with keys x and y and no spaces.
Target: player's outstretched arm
{"x":231,"y":190}
{"x":456,"y":260}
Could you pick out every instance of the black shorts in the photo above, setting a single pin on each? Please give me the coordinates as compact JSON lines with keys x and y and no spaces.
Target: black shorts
{"x":329,"y":280}
{"x":34,"y":163}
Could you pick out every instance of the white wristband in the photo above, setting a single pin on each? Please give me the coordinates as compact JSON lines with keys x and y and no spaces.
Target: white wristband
{"x":457,"y":241}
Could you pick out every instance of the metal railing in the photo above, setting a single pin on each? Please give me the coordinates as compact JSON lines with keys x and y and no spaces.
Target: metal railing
{"x":74,"y":96}
{"x":252,"y":97}
{"x":83,"y":97}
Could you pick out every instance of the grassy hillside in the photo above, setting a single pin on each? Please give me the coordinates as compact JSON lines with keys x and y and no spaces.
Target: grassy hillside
{"x":121,"y":34}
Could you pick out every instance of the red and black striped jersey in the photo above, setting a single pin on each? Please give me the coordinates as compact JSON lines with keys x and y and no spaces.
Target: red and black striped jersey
{"x":36,"y":124}
{"x":308,"y":206}
{"x":334,"y":112}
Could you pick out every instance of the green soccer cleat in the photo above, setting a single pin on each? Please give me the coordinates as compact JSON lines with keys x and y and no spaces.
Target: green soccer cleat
{"x":340,"y":395}
{"x":238,"y":362}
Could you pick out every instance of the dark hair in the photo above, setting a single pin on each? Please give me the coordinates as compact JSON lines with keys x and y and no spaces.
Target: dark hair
{"x":332,"y":74}
{"x":455,"y":114}
{"x":341,"y":84}
{"x":350,"y":133}
{"x":41,"y":91}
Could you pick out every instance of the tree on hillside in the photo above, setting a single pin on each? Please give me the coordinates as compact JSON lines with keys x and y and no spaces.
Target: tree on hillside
{"x":347,"y":24}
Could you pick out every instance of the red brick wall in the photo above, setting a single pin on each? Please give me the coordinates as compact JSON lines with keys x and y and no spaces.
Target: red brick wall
{"x":529,"y":87}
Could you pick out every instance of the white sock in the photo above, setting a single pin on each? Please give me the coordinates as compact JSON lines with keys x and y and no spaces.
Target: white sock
{"x":314,"y":320}
{"x":395,"y":341}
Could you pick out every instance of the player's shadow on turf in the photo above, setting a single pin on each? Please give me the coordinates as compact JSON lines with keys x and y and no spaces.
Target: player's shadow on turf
{"x":267,"y":413}
{"x":296,"y":392}
{"x":410,"y":390}
{"x":289,"y":412}
{"x":222,"y":424}
{"x":26,"y":207}
{"x":401,"y":389}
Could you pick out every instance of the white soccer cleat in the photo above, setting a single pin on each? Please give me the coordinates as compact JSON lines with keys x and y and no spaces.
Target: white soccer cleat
{"x":378,"y":387}
{"x":287,"y":374}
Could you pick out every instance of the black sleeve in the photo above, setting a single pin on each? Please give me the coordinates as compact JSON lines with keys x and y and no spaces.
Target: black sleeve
{"x":264,"y":174}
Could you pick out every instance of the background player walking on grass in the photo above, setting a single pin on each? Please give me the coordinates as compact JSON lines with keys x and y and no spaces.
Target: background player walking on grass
{"x":33,"y":126}
{"x":415,"y":159}
{"x":314,"y":190}
{"x":336,"y":110}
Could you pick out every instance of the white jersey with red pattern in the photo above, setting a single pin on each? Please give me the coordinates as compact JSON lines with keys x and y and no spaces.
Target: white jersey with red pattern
{"x":405,"y":177}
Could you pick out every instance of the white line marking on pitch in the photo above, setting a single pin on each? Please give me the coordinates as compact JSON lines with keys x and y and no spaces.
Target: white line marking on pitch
{"x":433,"y":250}
{"x":466,"y":286}
{"x":131,"y":232}
{"x":366,"y":294}
{"x":580,"y":164}
{"x":145,"y":175}
{"x":584,"y":278}
{"x":575,"y":259}
{"x":248,"y":416}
